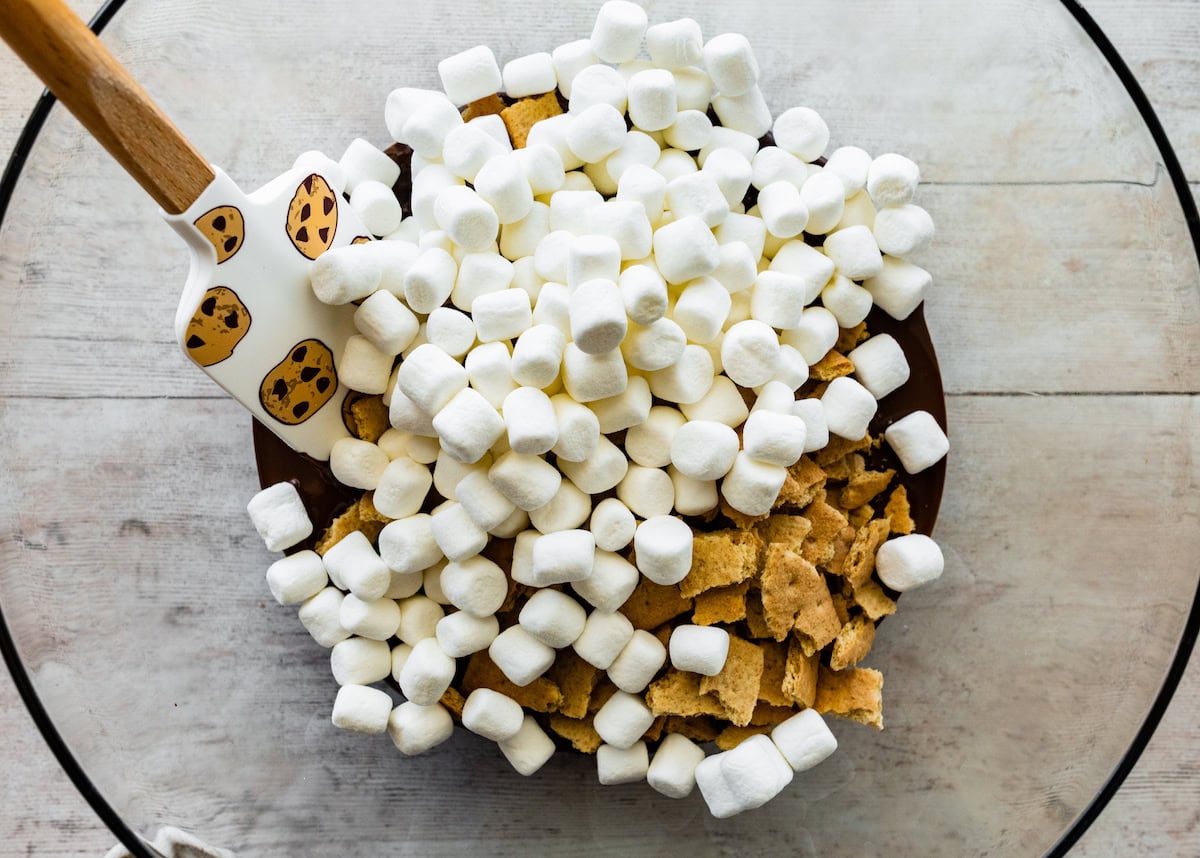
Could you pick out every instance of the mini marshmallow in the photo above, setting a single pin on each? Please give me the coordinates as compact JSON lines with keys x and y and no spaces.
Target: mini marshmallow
{"x":455,"y":533}
{"x":685,"y":249}
{"x":407,"y":544}
{"x":520,"y":656}
{"x":430,"y":280}
{"x":672,"y":164}
{"x":467,"y":148}
{"x":723,"y":403}
{"x":400,"y":654}
{"x":395,"y":256}
{"x":361,"y":709}
{"x":702,"y":308}
{"x":376,"y":206}
{"x":782,"y":209}
{"x":741,"y":229}
{"x":697,"y":194}
{"x":569,"y":60}
{"x":468,"y":426}
{"x":743,"y":778}
{"x":592,"y":257}
{"x":730,"y":171}
{"x":543,"y":168}
{"x":577,"y":181}
{"x":532,"y":74}
{"x":772,"y":164}
{"x":744,"y":144}
{"x":623,"y":720}
{"x":909,"y":561}
{"x":687,"y":380}
{"x":902,"y":230}
{"x":747,"y":112}
{"x":475,"y":585}
{"x":617,"y":33}
{"x":415,"y":729}
{"x":501,"y":315}
{"x":693,"y":89}
{"x":612,"y":525}
{"x":622,"y":766}
{"x":777,"y":439}
{"x":386,"y":323}
{"x":801,"y":131}
{"x":813,"y":335}
{"x":430,"y":378}
{"x":588,"y":377}
{"x":448,"y":472}
{"x":425,"y":131}
{"x":774,"y":396}
{"x":849,"y":408}
{"x":554,"y":618}
{"x":526,"y":480}
{"x":675,"y":44}
{"x":649,"y":442}
{"x":848,"y":301}
{"x":804,"y":740}
{"x":352,"y":564}
{"x":427,"y":673}
{"x":470,"y":75}
{"x":854,"y":252}
{"x":567,"y":510}
{"x":489,"y":368}
{"x":692,"y":497}
{"x":850,"y":164}
{"x":376,"y":619}
{"x":482,"y":501}
{"x":699,"y":649}
{"x":359,"y":661}
{"x":492,"y":715}
{"x":419,"y":616}
{"x":663,"y":545}
{"x":597,"y":314}
{"x":690,"y":130}
{"x":563,"y":556}
{"x":704,"y":449}
{"x":363,"y":367}
{"x":750,"y":353}
{"x":604,"y":635}
{"x":279,"y":516}
{"x":672,"y":772}
{"x":356,"y":463}
{"x":502,"y":184}
{"x":511,"y":526}
{"x":529,"y":749}
{"x":892,"y":180}
{"x":521,"y":566}
{"x":480,"y":274}
{"x":466,"y":217}
{"x":570,"y":211}
{"x":426,"y":186}
{"x":529,"y":420}
{"x":730,"y":62}
{"x":402,"y":488}
{"x":899,"y":287}
{"x":404,"y":584}
{"x":859,"y":210}
{"x":654,"y":346}
{"x":739,"y":311}
{"x":637,"y":664}
{"x":525,"y":276}
{"x":880,"y":365}
{"x":823,"y":196}
{"x":652,"y":102}
{"x":751,"y":486}
{"x":596,"y":132}
{"x":624,"y":221}
{"x":578,"y":430}
{"x":362,"y":162}
{"x":626,"y":409}
{"x":611,"y":583}
{"x":918,"y":441}
{"x":645,"y":185}
{"x":647,"y":491}
{"x":812,"y":412}
{"x":301,"y":576}
{"x":319,"y":615}
{"x":451,"y":331}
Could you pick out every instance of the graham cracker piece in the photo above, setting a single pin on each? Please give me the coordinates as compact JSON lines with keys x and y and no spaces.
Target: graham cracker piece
{"x":721,"y":604}
{"x":860,"y":561}
{"x":796,"y":598}
{"x":841,"y":605}
{"x":839,"y":447}
{"x":578,"y":731}
{"x":740,"y":520}
{"x":677,"y":692}
{"x":848,"y":338}
{"x":859,"y":516}
{"x":852,"y":643}
{"x":756,"y":622}
{"x":601,"y":693}
{"x":898,"y":511}
{"x":523,"y":114}
{"x":576,"y":679}
{"x":863,"y":486}
{"x":699,"y":728}
{"x":348,"y":522}
{"x":541,"y":695}
{"x":767,"y":715}
{"x":789,"y":530}
{"x":663,"y":633}
{"x":770,"y":685}
{"x":368,"y":512}
{"x":875,"y":603}
{"x":803,"y":482}
{"x":367,"y":417}
{"x":733,"y":735}
{"x":454,"y":701}
{"x":855,"y":693}
{"x":721,"y":558}
{"x":800,"y":675}
{"x":736,"y":686}
{"x":485,"y":106}
{"x":827,"y":523}
{"x":841,"y":547}
{"x":833,"y":365}
{"x":655,"y":730}
{"x":650,"y":605}
{"x":844,"y":468}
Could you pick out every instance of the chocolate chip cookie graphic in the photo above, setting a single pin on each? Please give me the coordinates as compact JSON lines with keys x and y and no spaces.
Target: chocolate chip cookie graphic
{"x":225,"y":228}
{"x":312,"y":217}
{"x":220,"y":323}
{"x":296,"y":387}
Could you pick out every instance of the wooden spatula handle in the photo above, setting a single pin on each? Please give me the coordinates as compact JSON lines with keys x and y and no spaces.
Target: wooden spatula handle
{"x":79,"y":70}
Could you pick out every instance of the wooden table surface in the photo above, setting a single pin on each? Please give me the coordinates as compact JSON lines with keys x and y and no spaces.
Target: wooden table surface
{"x":1157,"y":811}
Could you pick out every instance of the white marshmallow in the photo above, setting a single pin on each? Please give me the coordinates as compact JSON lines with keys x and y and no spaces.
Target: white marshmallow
{"x":693,"y":88}
{"x":492,"y":715}
{"x":699,"y":649}
{"x":466,"y":217}
{"x":588,"y":377}
{"x":849,"y":408}
{"x":361,"y":709}
{"x":363,"y":367}
{"x":622,"y":766}
{"x":532,"y":74}
{"x":777,"y":439}
{"x":425,"y":131}
{"x":772,"y":164}
{"x":600,"y":471}
{"x":652,"y":101}
{"x":801,"y":131}
{"x":448,"y":472}
{"x":489,"y":368}
{"x":909,"y":561}
{"x":527,"y":481}
{"x":823,"y":196}
{"x":357,"y":463}
{"x":750,"y":353}
{"x":637,"y":664}
{"x":685,"y":249}
{"x":617,"y":33}
{"x":430,"y":280}
{"x":402,"y":488}
{"x":543,"y":168}
{"x":812,"y":412}
{"x":563,"y":556}
{"x":642,"y":184}
{"x":902,"y":230}
{"x":672,"y":772}
{"x":362,"y":162}
{"x":638,"y":149}
{"x":475,"y":585}
{"x":742,"y":229}
{"x":525,"y":276}
{"x":552,"y":133}
{"x":576,"y":180}
{"x":899,"y":287}
{"x":751,"y":486}
{"x":628,"y":408}
{"x":917,"y":440}
{"x":672,"y":164}
{"x":675,"y":44}
{"x":604,"y":635}
{"x":687,"y":380}
{"x":502,"y":184}
{"x":319,"y":615}
{"x":739,"y":311}
{"x":470,"y":75}
{"x":578,"y":430}
{"x":727,"y":138}
{"x":521,"y":567}
{"x":892,"y":180}
{"x":859,"y":210}
{"x":567,"y":510}
{"x":569,"y":60}
{"x":427,"y":673}
{"x":467,"y":148}
{"x":880,"y":365}
{"x":400,"y":654}
{"x":468,"y":426}
{"x":647,"y":491}
{"x":553,"y":618}
{"x":419,"y":616}
{"x":649,"y":442}
{"x":455,"y":533}
{"x":623,"y":720}
{"x":301,"y":576}
{"x":511,"y":526}
{"x":451,"y":331}
{"x":529,"y":749}
{"x":850,"y":164}
{"x":415,"y":729}
{"x":353,"y":565}
{"x":747,"y":112}
{"x":520,"y":656}
{"x":430,"y":378}
{"x":597,"y":314}
{"x":692,"y":497}
{"x":501,"y":315}
{"x":854,"y":252}
{"x":624,"y":221}
{"x":407,"y":544}
{"x":782,"y":209}
{"x":360,"y":661}
{"x":810,"y":265}
{"x":690,"y":130}
{"x":697,"y":194}
{"x":731,"y":172}
{"x":612,"y":525}
{"x":774,"y":396}
{"x":529,"y":419}
{"x":644,"y":294}
{"x":404,"y":584}
{"x":425,"y":189}
{"x":804,"y":740}
{"x":386,"y":323}
{"x":655,"y":346}
{"x":731,"y":63}
{"x":744,"y":778}
{"x":596,"y":132}
{"x":592,"y":257}
{"x":395,"y":256}
{"x":376,"y":619}
{"x":611,"y":583}
{"x":723,"y":403}
{"x":279,"y":516}
{"x":663,"y":545}
{"x":813,"y":335}
{"x":482,"y":501}
{"x":849,"y":302}
{"x":376,"y":206}
{"x":704,"y":449}
{"x":570,"y":212}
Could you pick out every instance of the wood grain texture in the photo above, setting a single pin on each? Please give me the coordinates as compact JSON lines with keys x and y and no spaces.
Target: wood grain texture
{"x":1154,"y":813}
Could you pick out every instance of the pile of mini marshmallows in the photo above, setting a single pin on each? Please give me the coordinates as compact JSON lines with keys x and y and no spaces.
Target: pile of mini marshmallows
{"x":602,"y":279}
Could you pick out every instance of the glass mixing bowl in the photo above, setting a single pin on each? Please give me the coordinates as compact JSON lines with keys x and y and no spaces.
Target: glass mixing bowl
{"x":1019,"y":688}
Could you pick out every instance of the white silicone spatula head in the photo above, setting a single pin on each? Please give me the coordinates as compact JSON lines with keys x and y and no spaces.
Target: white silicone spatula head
{"x":247,"y":316}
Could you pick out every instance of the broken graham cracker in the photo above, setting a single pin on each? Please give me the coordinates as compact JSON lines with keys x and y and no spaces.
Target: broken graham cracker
{"x":650,"y":605}
{"x":767,"y":715}
{"x":827,"y":523}
{"x":803,"y":483}
{"x":855,"y":693}
{"x":360,"y":515}
{"x":677,"y":692}
{"x":860,"y":515}
{"x":576,"y":680}
{"x":655,"y":730}
{"x":789,"y":530}
{"x":841,"y":547}
{"x":698,"y":728}
{"x":898,"y":511}
{"x":875,"y":603}
{"x":720,"y":559}
{"x":800,"y":675}
{"x":756,"y":623}
{"x":770,"y":684}
{"x":522,"y":115}
{"x":841,"y":604}
{"x":833,"y":365}
{"x":796,"y":598}
{"x":578,"y":731}
{"x":601,"y":693}
{"x":365,"y":416}
{"x":844,"y":468}
{"x":848,"y":338}
{"x":541,"y":695}
{"x":860,"y":560}
{"x":733,"y":735}
{"x":485,"y":106}
{"x":863,"y":486}
{"x":736,"y":686}
{"x":454,"y":701}
{"x":852,"y":643}
{"x":839,"y":447}
{"x":721,"y":605}
{"x":740,"y":520}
